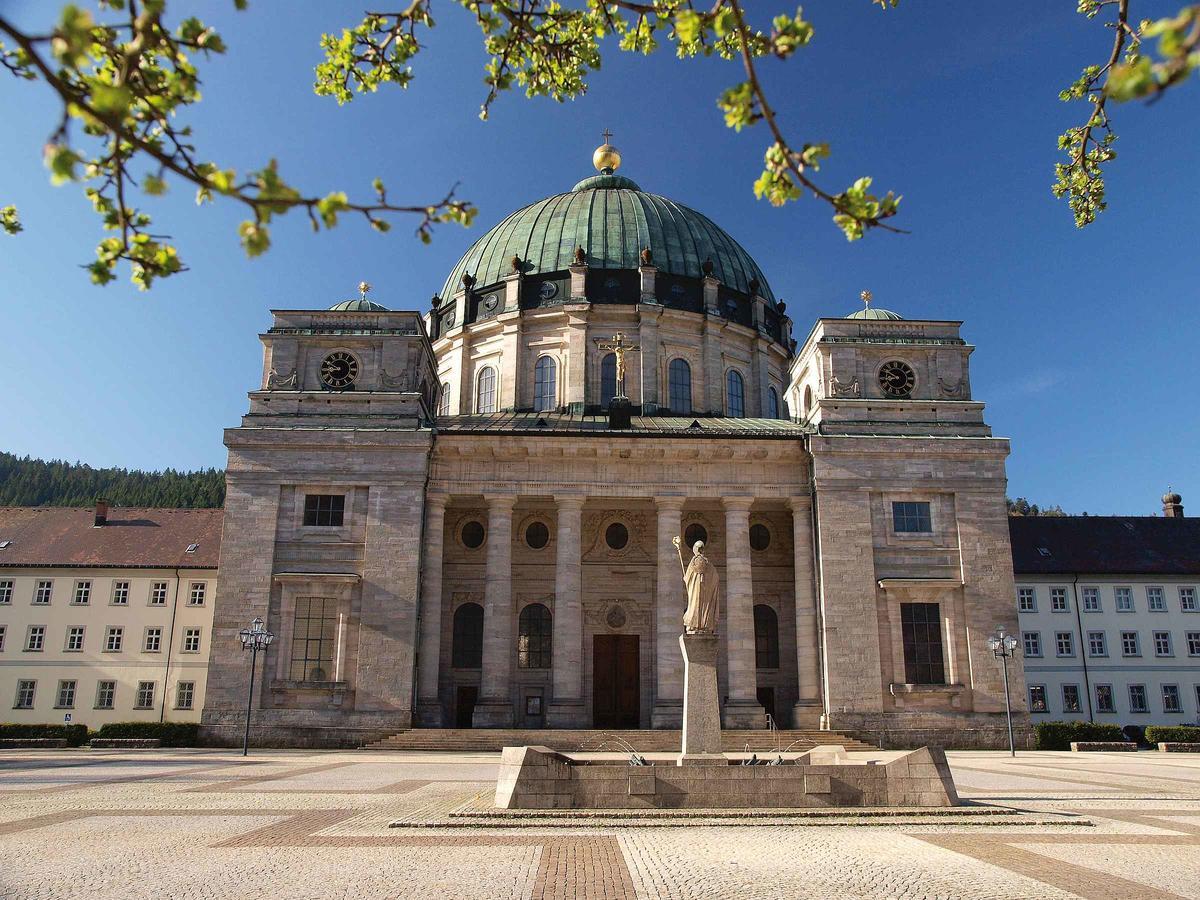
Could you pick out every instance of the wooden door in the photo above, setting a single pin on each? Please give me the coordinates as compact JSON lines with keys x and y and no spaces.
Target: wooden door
{"x":616,"y":681}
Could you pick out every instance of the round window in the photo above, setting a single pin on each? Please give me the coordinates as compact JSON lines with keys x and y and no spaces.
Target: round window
{"x":760,"y":537}
{"x":537,"y":535}
{"x":616,"y":536}
{"x":473,"y":535}
{"x":695,"y":532}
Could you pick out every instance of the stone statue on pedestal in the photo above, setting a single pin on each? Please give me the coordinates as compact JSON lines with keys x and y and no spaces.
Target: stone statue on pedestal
{"x":702,"y":583}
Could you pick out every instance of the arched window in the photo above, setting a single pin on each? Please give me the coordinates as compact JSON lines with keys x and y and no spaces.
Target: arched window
{"x":735,"y":394}
{"x":679,"y":387}
{"x":772,"y":403}
{"x":766,"y":637}
{"x":467,"y":647}
{"x":807,"y":407}
{"x":485,"y":391}
{"x":444,"y":400}
{"x":608,"y":379}
{"x":545,"y":385}
{"x":533,"y":637}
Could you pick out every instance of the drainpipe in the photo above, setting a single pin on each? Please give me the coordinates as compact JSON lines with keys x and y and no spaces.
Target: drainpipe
{"x":162,"y":712}
{"x":1083,"y":648}
{"x":820,"y":595}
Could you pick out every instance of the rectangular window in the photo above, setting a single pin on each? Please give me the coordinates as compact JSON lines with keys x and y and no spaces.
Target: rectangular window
{"x":1058,"y":600}
{"x":113,"y":638}
{"x":120,"y":594}
{"x":1187,"y":599}
{"x":3,"y":635}
{"x":106,"y":692}
{"x":41,"y":594}
{"x":911,"y":517}
{"x":1129,"y":644}
{"x":1037,"y":698}
{"x":1170,"y":695}
{"x":921,"y":626}
{"x":324,"y":510}
{"x":1064,"y":643}
{"x":83,"y":593}
{"x":313,"y":637}
{"x":158,"y":593}
{"x":191,"y":640}
{"x":1091,"y":599}
{"x":145,"y":695}
{"x":1104,"y":698}
{"x":1026,"y":599}
{"x":1137,"y":698}
{"x":35,"y":638}
{"x":1193,"y":642}
{"x":66,"y":695}
{"x":1097,"y":643}
{"x":1124,"y":597}
{"x":1156,"y":600}
{"x":74,"y":639}
{"x":152,"y":642}
{"x":25,"y":691}
{"x":1033,"y":643}
{"x":185,"y":694}
{"x":1070,"y":697}
{"x":6,"y":592}
{"x":1162,"y":643}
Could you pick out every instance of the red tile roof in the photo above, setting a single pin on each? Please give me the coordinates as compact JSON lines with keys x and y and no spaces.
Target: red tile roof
{"x":133,"y":537}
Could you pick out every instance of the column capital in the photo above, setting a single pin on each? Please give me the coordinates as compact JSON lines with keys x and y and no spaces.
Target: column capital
{"x":799,"y":504}
{"x":436,"y":501}
{"x":737,"y":504}
{"x":500,"y":501}
{"x":672,"y":502}
{"x":569,"y":501}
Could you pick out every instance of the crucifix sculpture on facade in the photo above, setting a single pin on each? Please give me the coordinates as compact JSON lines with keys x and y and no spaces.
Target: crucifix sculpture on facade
{"x":619,"y":348}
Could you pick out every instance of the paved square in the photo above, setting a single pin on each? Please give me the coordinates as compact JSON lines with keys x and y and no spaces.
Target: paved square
{"x":208,"y":824}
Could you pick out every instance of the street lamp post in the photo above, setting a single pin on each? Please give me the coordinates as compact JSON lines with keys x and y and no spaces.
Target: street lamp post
{"x":1003,"y":646}
{"x":254,"y":638}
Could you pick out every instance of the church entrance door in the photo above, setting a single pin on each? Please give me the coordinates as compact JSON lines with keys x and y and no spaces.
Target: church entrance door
{"x":616,"y":689}
{"x":464,"y":705}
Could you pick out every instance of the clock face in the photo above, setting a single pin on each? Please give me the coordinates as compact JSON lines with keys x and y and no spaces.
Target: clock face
{"x":896,"y":378}
{"x":338,"y":370}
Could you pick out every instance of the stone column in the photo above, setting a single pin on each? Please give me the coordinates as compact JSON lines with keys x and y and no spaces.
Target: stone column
{"x":566,"y":709}
{"x":494,"y":708}
{"x":668,"y":615}
{"x":648,"y":340}
{"x":807,"y":711}
{"x":429,"y":709}
{"x":742,"y":709}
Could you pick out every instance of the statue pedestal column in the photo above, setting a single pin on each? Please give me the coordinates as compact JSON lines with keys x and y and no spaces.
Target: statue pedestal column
{"x":701,"y":701}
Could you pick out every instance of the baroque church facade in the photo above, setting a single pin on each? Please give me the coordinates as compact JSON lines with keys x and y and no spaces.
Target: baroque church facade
{"x":466,"y":518}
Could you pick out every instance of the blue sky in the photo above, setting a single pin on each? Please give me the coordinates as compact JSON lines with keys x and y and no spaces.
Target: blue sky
{"x":1085,"y":338}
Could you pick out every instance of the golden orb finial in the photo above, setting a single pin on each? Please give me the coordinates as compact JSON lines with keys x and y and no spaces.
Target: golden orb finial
{"x":606,"y":159}
{"x":865,"y":296}
{"x":363,"y":287}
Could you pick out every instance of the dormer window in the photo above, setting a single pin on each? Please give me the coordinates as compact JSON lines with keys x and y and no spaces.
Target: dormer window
{"x":192,"y":548}
{"x":1043,"y":551}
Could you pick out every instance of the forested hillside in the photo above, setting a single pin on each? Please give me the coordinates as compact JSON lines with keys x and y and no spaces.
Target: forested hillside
{"x":36,"y":482}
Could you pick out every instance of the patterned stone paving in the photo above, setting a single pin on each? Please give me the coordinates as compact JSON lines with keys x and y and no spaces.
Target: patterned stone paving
{"x":209,"y":824}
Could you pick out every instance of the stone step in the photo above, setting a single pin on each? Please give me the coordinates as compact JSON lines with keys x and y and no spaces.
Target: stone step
{"x":643,"y":741}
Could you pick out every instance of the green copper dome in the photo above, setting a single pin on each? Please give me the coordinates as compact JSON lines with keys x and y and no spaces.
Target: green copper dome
{"x":872,"y":312}
{"x":612,"y":219}
{"x":358,"y":304}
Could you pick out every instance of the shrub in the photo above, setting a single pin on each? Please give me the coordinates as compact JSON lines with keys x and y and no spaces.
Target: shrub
{"x":172,"y":734}
{"x":75,"y":735}
{"x":1178,"y":734}
{"x":1059,"y":735}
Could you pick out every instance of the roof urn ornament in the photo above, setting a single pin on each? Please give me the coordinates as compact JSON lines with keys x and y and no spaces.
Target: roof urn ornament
{"x":606,"y":159}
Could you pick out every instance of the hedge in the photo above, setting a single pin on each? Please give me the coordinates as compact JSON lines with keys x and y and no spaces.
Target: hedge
{"x":1059,"y":735}
{"x":172,"y":734}
{"x":74,"y":735}
{"x":1178,"y":734}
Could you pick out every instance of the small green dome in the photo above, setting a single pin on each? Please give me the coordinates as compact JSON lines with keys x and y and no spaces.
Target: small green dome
{"x":874,"y":312}
{"x":358,"y":304}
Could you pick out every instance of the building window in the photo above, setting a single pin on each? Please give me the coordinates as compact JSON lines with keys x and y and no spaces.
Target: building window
{"x":772,"y":403}
{"x":191,"y":640}
{"x":1170,"y":697}
{"x":1058,"y":600}
{"x":83,"y":593}
{"x":735,"y":394}
{"x":3,"y":634}
{"x":158,"y":593}
{"x":152,"y":643}
{"x":467,"y":642}
{"x":1124,"y":597}
{"x":1026,"y":598}
{"x":1037,"y":698}
{"x":1070,"y":698}
{"x":1187,"y":599}
{"x":113,"y":638}
{"x":545,"y":385}
{"x":1091,"y":599}
{"x":6,"y":592}
{"x":35,"y":638}
{"x":766,"y":637}
{"x":695,"y":532}
{"x":120,"y":593}
{"x":534,"y":629}
{"x":25,"y":692}
{"x":537,"y":535}
{"x":1137,"y":698}
{"x":185,"y":694}
{"x":66,"y":695}
{"x":1162,"y":643}
{"x":608,"y":379}
{"x":41,"y":594}
{"x":1129,"y":644}
{"x":1104,"y":698}
{"x":485,"y":391}
{"x":324,"y":510}
{"x":1033,"y":643}
{"x":679,"y":387}
{"x":196,"y":593}
{"x":106,"y":692}
{"x":616,"y":536}
{"x":921,"y":627}
{"x":443,"y":407}
{"x":1064,"y":643}
{"x":145,"y":695}
{"x":74,"y":639}
{"x":760,"y":537}
{"x":473,"y":535}
{"x":314,"y":633}
{"x":1097,"y":643}
{"x":1193,"y":643}
{"x":1156,"y":601}
{"x":911,"y":518}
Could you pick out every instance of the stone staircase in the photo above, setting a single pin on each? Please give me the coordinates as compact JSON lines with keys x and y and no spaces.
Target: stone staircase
{"x":645,"y":741}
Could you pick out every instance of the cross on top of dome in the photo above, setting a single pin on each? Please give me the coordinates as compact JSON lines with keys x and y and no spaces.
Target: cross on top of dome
{"x":606,"y":159}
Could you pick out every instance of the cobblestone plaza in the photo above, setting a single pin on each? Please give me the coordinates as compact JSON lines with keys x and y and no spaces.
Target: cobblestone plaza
{"x":209,"y":824}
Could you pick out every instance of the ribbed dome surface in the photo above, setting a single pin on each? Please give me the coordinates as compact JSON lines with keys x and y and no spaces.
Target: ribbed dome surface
{"x":873,"y":312}
{"x":358,"y":304}
{"x":612,"y":219}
